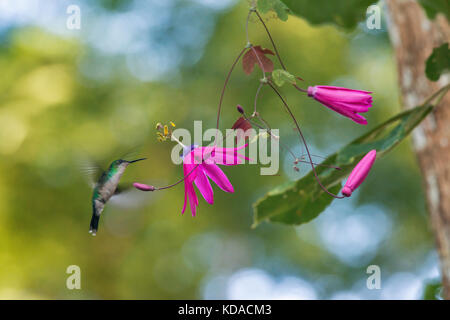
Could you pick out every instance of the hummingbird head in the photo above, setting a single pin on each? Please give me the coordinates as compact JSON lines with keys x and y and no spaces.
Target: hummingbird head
{"x":124,"y":163}
{"x":120,"y":163}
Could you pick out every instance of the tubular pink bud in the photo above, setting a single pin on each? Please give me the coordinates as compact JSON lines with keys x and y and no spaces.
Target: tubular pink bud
{"x":240,"y":109}
{"x":359,"y":173}
{"x":143,"y":187}
{"x":347,"y":102}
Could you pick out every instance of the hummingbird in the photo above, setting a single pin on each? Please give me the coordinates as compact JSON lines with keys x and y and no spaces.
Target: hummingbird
{"x":107,"y":186}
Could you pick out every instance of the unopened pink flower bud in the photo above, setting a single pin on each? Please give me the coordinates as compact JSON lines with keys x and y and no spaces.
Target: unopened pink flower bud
{"x":143,"y":187}
{"x":359,"y":173}
{"x":240,"y":109}
{"x":347,"y":102}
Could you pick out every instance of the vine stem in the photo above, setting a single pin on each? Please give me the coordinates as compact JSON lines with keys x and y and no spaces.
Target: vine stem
{"x":259,"y":88}
{"x":276,"y":49}
{"x":271,"y":39}
{"x":266,"y":126}
{"x":225,"y":86}
{"x":256,"y":98}
{"x":304,"y":142}
{"x":246,"y":26}
{"x":218,"y":119}
{"x":179,"y":181}
{"x":253,"y":123}
{"x":249,"y":45}
{"x":269,"y":130}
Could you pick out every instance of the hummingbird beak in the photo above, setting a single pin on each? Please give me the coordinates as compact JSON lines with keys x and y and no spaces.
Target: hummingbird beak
{"x":137,"y":160}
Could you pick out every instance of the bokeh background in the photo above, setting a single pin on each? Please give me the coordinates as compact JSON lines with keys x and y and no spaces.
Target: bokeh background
{"x":97,"y":92}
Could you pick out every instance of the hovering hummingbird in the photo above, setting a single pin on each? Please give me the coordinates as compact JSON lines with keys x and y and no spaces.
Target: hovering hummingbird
{"x":107,"y":186}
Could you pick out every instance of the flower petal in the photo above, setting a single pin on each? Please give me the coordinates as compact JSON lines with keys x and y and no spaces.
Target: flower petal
{"x":193,"y":200}
{"x":185,"y":198}
{"x":204,"y":186}
{"x":334,"y":88}
{"x":354,"y":107}
{"x":347,"y":113}
{"x":347,"y":102}
{"x":217,"y":175}
{"x":190,"y":172}
{"x":223,"y":156}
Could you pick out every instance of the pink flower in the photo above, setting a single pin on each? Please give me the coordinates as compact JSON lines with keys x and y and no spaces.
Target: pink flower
{"x":359,"y":173}
{"x":345,"y":101}
{"x":199,"y":164}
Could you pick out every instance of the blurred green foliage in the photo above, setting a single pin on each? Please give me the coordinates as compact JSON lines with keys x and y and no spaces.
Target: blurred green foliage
{"x":52,"y":115}
{"x":433,"y":291}
{"x":438,"y":62}
{"x":433,"y":7}
{"x":276,"y":5}
{"x":343,"y":14}
{"x":349,"y":13}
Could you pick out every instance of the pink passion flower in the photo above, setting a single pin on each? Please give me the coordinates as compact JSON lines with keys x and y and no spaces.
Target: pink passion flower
{"x":359,"y":173}
{"x":200,"y":165}
{"x":345,"y":101}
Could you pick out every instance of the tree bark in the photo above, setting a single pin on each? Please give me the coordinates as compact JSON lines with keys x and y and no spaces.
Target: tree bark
{"x":413,"y":37}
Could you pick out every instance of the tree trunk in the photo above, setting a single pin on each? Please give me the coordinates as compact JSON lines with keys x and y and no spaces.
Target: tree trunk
{"x":413,"y":37}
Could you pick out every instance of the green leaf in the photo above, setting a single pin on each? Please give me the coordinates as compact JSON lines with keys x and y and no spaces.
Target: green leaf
{"x":438,"y":62}
{"x":264,"y":5}
{"x":300,"y":201}
{"x":278,"y":6}
{"x":432,"y":290}
{"x":281,"y":76}
{"x":282,"y":10}
{"x":433,"y":7}
{"x":345,"y":14}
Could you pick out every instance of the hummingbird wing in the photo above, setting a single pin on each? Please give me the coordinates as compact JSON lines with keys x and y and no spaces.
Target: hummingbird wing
{"x":123,"y":187}
{"x":91,"y":171}
{"x":127,"y":197}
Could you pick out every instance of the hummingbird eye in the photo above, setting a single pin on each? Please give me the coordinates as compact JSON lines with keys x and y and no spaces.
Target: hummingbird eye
{"x":118,"y":162}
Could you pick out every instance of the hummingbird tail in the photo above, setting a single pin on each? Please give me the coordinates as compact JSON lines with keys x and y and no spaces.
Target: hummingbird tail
{"x":95,"y":219}
{"x":94,"y":224}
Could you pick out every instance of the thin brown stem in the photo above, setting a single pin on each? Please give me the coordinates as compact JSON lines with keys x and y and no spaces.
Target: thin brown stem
{"x":298,"y":88}
{"x":263,"y":121}
{"x":246,"y":26}
{"x":283,"y":145}
{"x":271,"y":40}
{"x":179,"y":181}
{"x":304,"y":142}
{"x":269,"y":131}
{"x":256,"y":97}
{"x":276,"y":49}
{"x":225,"y":86}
